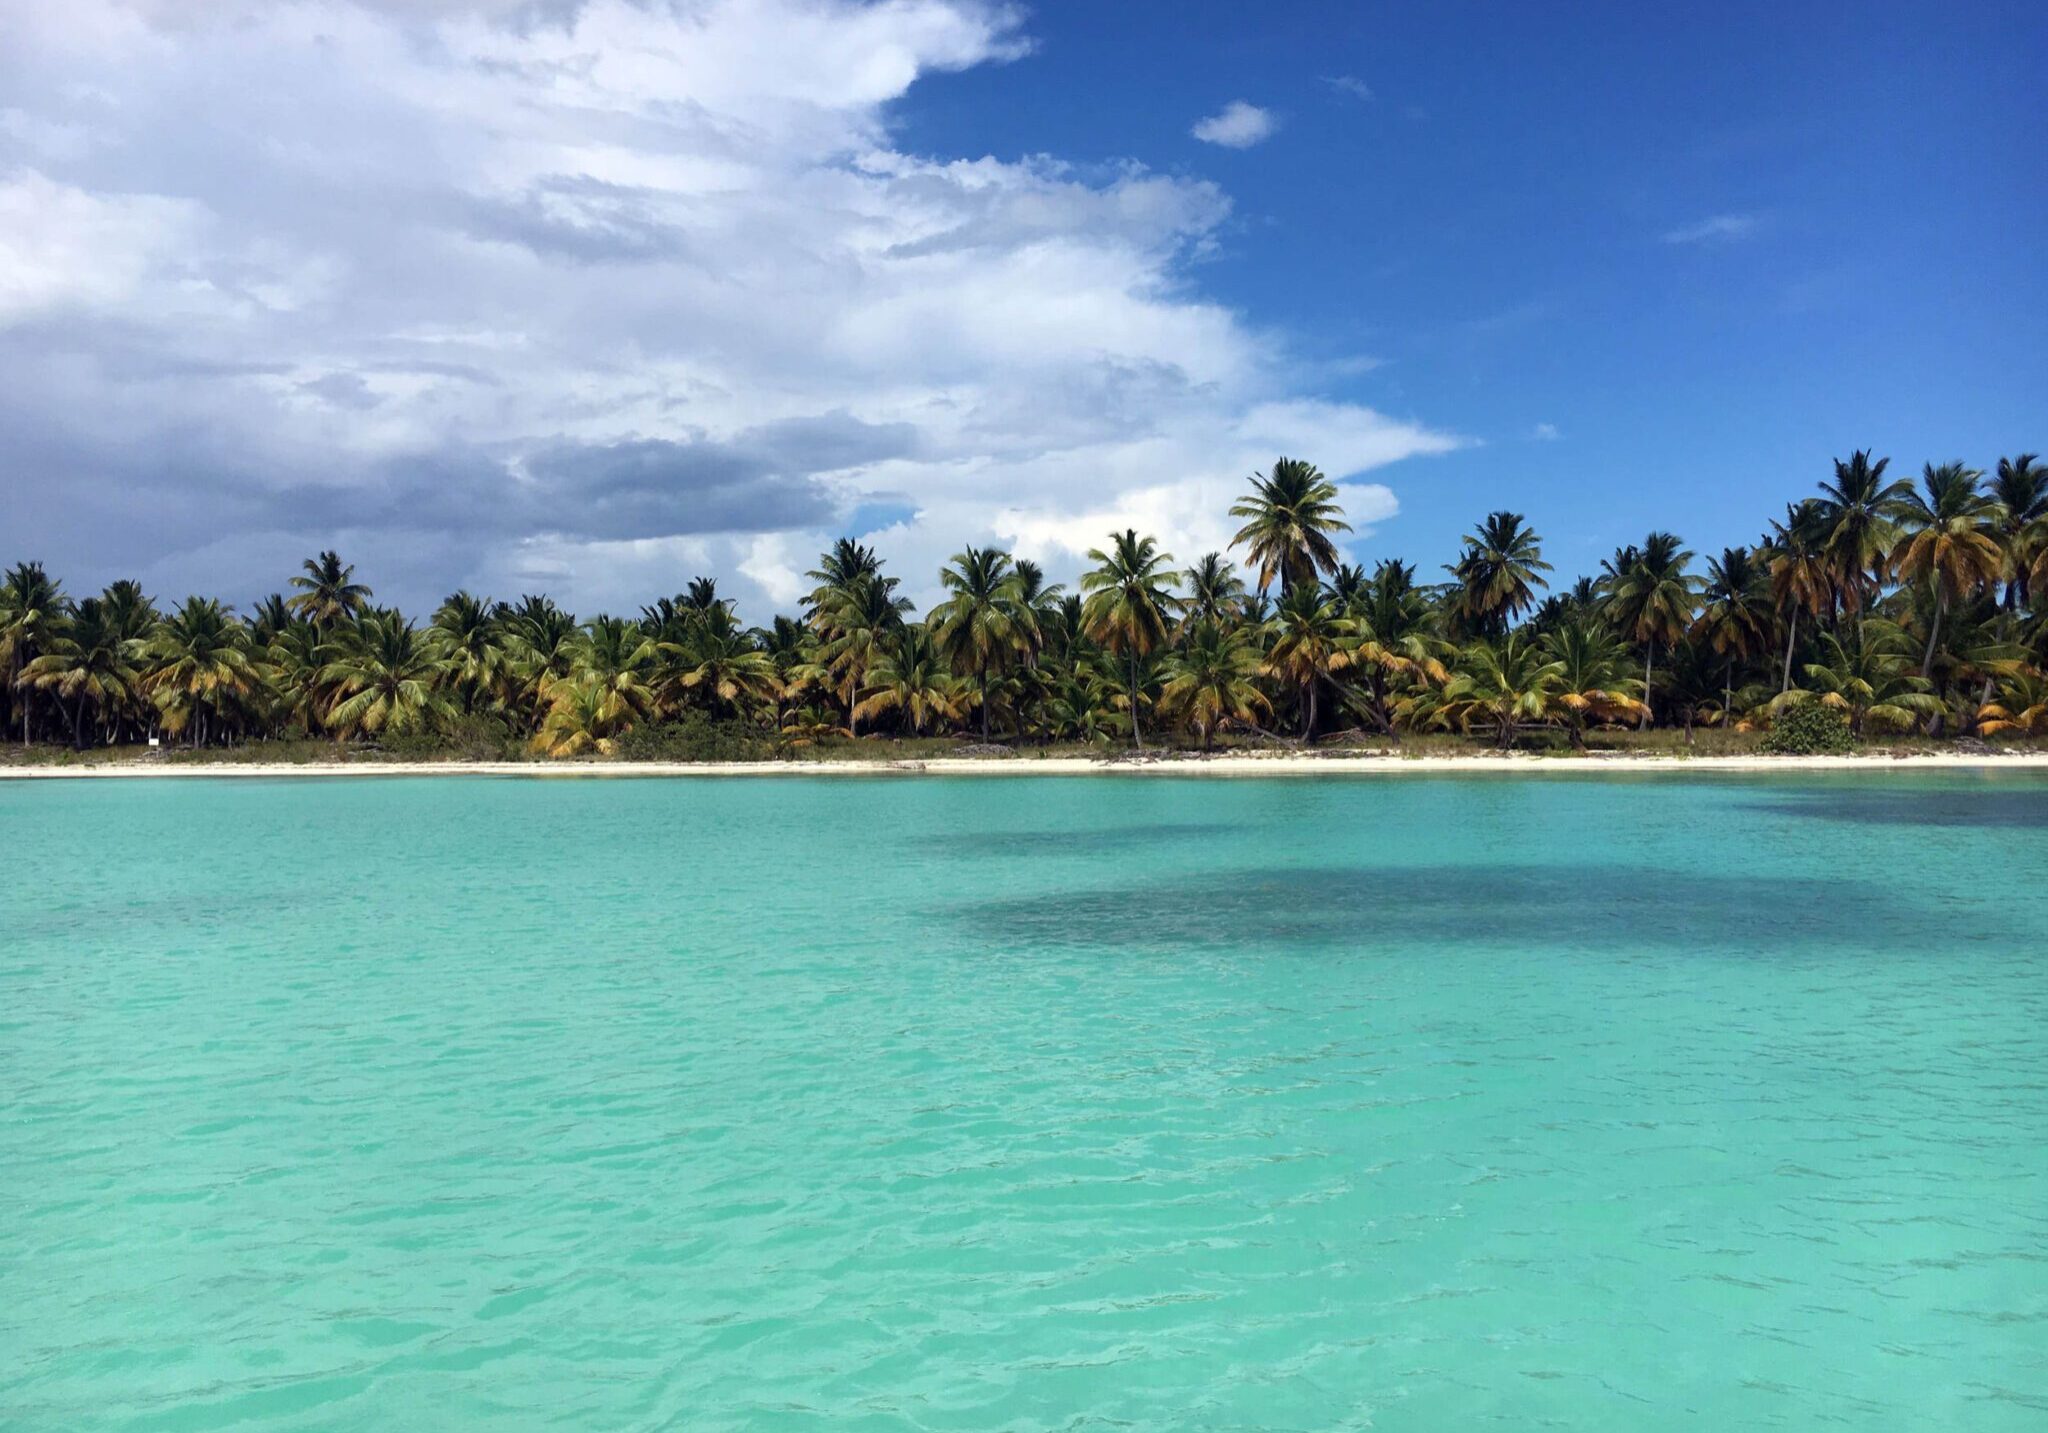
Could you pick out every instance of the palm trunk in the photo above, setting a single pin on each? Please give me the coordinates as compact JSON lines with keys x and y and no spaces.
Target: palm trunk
{"x":1131,"y":690}
{"x":1934,"y":632}
{"x":1649,"y":672}
{"x":78,"y":723}
{"x":1727,"y":690}
{"x":984,"y":706}
{"x":1791,"y":639}
{"x":1308,"y":697}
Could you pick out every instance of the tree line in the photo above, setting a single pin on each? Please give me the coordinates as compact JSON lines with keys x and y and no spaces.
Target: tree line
{"x":1900,"y":605}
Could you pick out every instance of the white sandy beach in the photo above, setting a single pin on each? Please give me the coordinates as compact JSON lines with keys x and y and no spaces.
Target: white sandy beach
{"x":1290,"y":764}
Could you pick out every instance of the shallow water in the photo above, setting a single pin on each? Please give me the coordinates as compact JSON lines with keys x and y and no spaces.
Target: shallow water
{"x":1402,"y":1102}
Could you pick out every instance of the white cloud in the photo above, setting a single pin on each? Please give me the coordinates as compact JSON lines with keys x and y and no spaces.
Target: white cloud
{"x":64,"y":248}
{"x":593,"y":296}
{"x":1545,"y":433}
{"x":1718,"y":228}
{"x":1237,"y":125}
{"x":1350,"y":85}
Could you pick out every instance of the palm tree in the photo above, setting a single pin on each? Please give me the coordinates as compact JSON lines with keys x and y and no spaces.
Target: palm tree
{"x":1040,"y":598}
{"x":1801,"y":579}
{"x":1083,"y":705}
{"x":1735,"y":618}
{"x":132,"y":617}
{"x":1497,"y":575}
{"x":701,"y":595}
{"x":471,"y":641}
{"x":1953,"y":546}
{"x":2021,"y":492}
{"x":1696,"y":689}
{"x":1215,"y":591}
{"x":838,"y":569}
{"x":129,"y":609}
{"x":540,"y":641}
{"x":293,"y":661}
{"x":2021,"y":708}
{"x":1064,"y":627}
{"x":32,"y":610}
{"x":1345,"y":585}
{"x":87,"y":665}
{"x":983,"y":624}
{"x":1980,"y":644}
{"x":1129,"y":606}
{"x":202,"y":671}
{"x":910,"y":677}
{"x":1212,"y":679}
{"x":269,"y":617}
{"x":1394,"y":640}
{"x":1591,"y":684}
{"x":726,"y":668}
{"x":580,"y":719}
{"x":854,"y":622}
{"x":1868,"y":677}
{"x":386,"y":676}
{"x":1288,"y":521}
{"x":612,"y":661}
{"x":1649,"y":597}
{"x":328,"y":591}
{"x":1309,"y":643}
{"x":1505,"y":685}
{"x":1858,"y":509}
{"x":792,"y":647}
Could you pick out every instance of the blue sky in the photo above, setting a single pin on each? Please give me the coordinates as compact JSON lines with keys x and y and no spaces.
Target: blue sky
{"x":1519,"y":226}
{"x":596,"y":295}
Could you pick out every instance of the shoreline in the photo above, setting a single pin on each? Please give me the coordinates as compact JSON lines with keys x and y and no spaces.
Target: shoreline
{"x":1285,"y":764}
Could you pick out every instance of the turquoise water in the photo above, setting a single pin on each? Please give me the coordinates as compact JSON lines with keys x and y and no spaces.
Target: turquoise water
{"x":1405,"y":1103}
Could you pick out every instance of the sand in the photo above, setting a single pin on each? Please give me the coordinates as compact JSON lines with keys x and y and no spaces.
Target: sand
{"x":1292,"y":764}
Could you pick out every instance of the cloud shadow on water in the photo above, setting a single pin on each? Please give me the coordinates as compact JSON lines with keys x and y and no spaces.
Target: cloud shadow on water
{"x":1514,"y":905}
{"x":2013,"y":810}
{"x":981,"y":844}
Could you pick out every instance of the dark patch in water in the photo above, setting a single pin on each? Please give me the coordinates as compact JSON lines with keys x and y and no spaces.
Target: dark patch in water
{"x":1364,"y":906}
{"x":1082,"y":842}
{"x":1991,"y":810}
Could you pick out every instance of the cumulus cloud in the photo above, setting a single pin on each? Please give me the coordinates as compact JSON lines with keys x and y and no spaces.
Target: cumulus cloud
{"x":593,"y":295}
{"x":1237,"y":125}
{"x":1350,"y":85}
{"x":1717,"y":228}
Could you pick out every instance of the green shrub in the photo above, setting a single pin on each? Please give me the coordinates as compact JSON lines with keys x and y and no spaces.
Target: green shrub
{"x":475,"y":737}
{"x":1808,"y":729}
{"x":696,"y":736}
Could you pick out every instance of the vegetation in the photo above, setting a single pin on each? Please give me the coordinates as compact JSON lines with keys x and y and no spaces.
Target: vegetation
{"x":1810,"y":729}
{"x":1876,"y":609}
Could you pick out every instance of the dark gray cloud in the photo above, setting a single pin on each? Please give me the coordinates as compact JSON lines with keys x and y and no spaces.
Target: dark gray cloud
{"x":103,"y":504}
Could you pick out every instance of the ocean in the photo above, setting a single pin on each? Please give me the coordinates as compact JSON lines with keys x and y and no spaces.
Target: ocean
{"x":1615,"y":1102}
